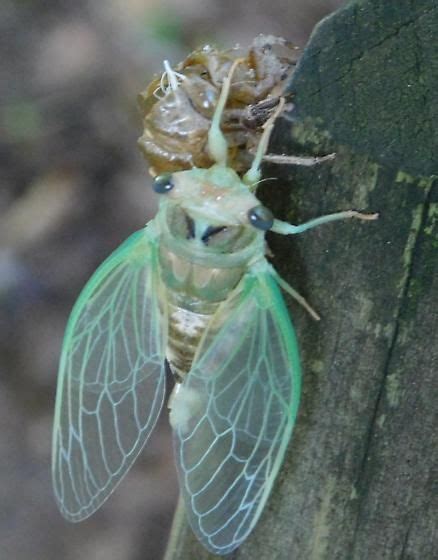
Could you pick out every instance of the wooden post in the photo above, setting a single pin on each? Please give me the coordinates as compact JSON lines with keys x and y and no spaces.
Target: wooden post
{"x":360,"y":476}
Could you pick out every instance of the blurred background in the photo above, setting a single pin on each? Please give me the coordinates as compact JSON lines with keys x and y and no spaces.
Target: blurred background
{"x":73,"y":185}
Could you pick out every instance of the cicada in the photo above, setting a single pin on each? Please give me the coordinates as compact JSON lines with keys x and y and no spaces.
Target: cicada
{"x":193,"y":289}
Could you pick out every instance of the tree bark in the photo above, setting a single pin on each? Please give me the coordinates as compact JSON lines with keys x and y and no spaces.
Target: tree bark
{"x":359,"y":481}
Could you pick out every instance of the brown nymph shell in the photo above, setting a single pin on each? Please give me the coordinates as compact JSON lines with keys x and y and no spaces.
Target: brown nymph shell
{"x":177,"y":116}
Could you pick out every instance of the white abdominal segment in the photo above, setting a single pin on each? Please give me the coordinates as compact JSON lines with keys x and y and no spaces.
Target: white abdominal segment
{"x":183,"y":403}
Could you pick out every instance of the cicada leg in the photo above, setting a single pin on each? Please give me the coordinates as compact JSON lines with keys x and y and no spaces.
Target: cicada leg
{"x":253,"y":175}
{"x":284,"y":228}
{"x":297,"y":297}
{"x":217,"y":143}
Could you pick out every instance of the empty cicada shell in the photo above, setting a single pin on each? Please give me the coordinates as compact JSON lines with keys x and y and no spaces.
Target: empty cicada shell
{"x":178,"y":107}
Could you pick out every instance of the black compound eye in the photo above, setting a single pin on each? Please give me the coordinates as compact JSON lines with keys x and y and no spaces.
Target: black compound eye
{"x":163,"y":183}
{"x":261,"y":218}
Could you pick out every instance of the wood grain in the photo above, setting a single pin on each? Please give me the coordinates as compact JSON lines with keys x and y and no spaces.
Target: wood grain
{"x":360,"y":476}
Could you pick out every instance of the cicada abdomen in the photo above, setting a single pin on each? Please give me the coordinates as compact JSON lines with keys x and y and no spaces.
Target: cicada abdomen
{"x":178,"y":107}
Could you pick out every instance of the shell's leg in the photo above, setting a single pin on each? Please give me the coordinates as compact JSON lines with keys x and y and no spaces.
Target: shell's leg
{"x":253,"y":175}
{"x":285,"y":228}
{"x":307,"y":161}
{"x":217,"y":143}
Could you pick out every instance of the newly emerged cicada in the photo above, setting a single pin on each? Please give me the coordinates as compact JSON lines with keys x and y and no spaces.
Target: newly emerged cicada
{"x":193,"y":288}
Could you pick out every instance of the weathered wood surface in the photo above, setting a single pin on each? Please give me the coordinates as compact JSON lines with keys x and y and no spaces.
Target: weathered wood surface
{"x":360,"y":477}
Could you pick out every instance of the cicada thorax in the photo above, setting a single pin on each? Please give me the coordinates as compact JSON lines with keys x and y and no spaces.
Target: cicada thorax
{"x":177,"y":119}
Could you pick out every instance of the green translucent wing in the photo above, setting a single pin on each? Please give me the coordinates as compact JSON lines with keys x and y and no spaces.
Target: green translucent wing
{"x":234,"y":414}
{"x":111,"y":380}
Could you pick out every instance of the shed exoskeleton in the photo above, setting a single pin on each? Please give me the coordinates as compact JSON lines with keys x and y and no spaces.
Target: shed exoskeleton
{"x":178,"y":106}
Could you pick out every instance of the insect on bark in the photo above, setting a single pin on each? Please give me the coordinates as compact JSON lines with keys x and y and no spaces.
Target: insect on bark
{"x":193,"y":288}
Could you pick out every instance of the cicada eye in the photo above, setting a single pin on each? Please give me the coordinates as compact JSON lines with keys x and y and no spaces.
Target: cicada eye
{"x":163,"y":183}
{"x":261,"y":218}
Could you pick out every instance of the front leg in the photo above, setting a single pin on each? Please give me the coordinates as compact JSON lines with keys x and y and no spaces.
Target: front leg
{"x":284,"y":228}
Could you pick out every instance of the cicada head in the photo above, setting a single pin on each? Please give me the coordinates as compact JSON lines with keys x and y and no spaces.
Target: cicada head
{"x":211,"y":208}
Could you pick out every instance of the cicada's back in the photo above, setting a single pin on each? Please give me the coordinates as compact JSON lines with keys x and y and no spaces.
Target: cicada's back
{"x":177,"y":112}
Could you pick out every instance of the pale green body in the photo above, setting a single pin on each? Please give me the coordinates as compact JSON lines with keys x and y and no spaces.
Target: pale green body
{"x":193,"y":287}
{"x":199,"y":276}
{"x":213,"y":309}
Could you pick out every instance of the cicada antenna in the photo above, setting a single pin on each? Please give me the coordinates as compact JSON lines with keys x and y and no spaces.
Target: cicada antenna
{"x":217,"y":143}
{"x":252,"y":176}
